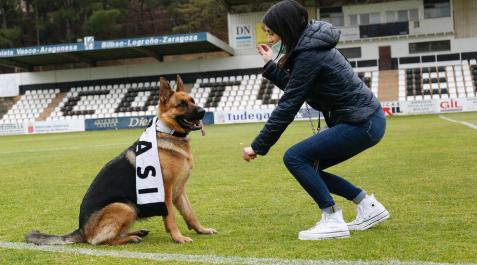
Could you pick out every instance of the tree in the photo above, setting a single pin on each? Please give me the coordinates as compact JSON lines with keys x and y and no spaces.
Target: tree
{"x":38,"y":7}
{"x":41,"y":22}
{"x":9,"y":35}
{"x":103,"y":23}
{"x":7,"y":10}
{"x":202,"y":15}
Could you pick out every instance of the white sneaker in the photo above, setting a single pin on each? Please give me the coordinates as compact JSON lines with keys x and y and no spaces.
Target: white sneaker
{"x":370,"y":213}
{"x":330,"y":226}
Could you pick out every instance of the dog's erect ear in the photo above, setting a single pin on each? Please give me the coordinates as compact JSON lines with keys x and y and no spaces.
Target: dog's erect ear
{"x":165,"y":91}
{"x":179,"y":84}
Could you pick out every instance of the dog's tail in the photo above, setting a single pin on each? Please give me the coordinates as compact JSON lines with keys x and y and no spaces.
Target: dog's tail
{"x":38,"y":238}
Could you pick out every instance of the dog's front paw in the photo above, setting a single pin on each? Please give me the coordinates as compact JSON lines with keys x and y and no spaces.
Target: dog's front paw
{"x":143,"y":232}
{"x":135,"y":239}
{"x":182,"y":239}
{"x":206,"y":231}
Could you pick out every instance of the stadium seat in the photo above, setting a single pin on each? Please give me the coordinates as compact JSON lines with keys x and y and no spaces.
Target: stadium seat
{"x":31,"y":105}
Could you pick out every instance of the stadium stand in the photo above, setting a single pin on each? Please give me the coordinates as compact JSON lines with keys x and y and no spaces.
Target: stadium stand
{"x":248,"y":91}
{"x":5,"y":104}
{"x":30,"y":106}
{"x":451,"y":81}
{"x":108,"y":101}
{"x":236,"y":92}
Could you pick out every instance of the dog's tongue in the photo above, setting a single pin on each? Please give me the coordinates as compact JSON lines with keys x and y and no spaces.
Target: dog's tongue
{"x":202,"y":128}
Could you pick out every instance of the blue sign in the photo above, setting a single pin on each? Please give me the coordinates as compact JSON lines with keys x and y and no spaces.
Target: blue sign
{"x":90,"y":44}
{"x":117,"y":123}
{"x":129,"y":122}
{"x":208,"y":118}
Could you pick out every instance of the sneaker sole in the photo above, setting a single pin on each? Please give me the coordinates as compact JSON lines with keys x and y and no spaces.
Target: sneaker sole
{"x":373,"y":221}
{"x":340,"y":234}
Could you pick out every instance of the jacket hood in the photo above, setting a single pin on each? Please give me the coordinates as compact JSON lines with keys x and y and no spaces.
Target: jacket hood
{"x":318,"y":35}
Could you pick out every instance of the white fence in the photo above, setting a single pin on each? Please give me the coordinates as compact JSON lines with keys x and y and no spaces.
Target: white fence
{"x":432,"y":106}
{"x":42,"y":127}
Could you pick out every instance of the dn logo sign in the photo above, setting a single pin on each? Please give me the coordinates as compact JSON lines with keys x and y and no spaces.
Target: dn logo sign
{"x":243,"y":36}
{"x":243,"y":30}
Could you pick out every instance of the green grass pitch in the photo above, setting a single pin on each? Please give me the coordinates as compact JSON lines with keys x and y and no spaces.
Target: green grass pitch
{"x":424,"y":171}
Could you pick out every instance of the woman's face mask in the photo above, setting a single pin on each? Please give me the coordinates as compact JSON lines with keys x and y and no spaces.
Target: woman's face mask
{"x":278,"y":48}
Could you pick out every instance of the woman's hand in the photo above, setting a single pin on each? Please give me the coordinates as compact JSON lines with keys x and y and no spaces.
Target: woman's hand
{"x":265,"y":52}
{"x":248,"y":154}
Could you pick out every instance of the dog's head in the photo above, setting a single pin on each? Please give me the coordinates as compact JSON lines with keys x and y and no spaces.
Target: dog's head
{"x":178,"y":109}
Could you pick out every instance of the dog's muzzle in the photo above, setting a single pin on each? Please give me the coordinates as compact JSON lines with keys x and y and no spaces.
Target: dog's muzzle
{"x":192,"y":120}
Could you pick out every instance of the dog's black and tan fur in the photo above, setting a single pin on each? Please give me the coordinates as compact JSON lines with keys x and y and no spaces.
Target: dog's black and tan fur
{"x":107,"y":214}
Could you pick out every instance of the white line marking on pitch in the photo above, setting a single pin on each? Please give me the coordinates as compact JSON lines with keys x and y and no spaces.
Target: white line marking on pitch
{"x":468,"y":124}
{"x":212,"y":259}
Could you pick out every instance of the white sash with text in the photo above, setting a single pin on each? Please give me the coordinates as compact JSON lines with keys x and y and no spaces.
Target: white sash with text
{"x":149,"y":183}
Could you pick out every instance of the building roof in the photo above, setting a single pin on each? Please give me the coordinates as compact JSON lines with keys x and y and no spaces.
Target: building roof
{"x":90,"y":51}
{"x":251,"y":5}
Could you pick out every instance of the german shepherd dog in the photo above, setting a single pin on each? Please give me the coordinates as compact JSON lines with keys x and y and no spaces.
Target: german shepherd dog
{"x":109,"y":207}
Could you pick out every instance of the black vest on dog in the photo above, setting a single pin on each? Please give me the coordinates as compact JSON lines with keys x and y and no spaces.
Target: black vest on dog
{"x":116,"y":182}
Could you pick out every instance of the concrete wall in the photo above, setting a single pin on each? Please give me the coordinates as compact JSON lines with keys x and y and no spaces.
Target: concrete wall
{"x":426,"y":26}
{"x":400,"y":47}
{"x":465,"y":14}
{"x":9,"y":84}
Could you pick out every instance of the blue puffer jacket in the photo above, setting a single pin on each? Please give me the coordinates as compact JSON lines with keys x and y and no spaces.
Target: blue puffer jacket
{"x":320,"y":75}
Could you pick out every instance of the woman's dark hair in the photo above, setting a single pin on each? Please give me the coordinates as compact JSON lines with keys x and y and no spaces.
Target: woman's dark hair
{"x":287,"y":19}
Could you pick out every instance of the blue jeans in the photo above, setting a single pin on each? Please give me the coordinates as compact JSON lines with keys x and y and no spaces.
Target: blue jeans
{"x":331,"y":147}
